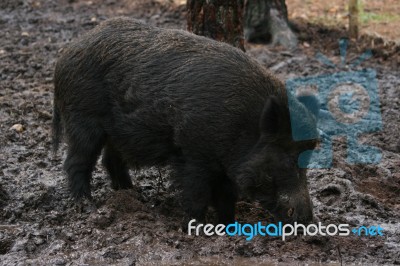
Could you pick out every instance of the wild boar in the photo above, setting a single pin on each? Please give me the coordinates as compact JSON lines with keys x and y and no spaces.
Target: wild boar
{"x":150,"y":96}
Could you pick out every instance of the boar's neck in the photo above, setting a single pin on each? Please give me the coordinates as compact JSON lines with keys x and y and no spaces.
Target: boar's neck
{"x":240,"y":153}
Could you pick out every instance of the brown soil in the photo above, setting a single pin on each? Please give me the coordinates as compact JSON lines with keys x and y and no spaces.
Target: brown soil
{"x":41,"y":225}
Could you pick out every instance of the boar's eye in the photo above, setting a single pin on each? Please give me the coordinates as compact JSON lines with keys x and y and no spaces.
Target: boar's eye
{"x":290,"y":212}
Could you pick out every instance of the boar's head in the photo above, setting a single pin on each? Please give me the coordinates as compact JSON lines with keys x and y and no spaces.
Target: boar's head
{"x":271,"y":174}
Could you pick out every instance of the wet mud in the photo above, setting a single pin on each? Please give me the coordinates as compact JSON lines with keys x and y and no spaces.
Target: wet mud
{"x":41,"y":225}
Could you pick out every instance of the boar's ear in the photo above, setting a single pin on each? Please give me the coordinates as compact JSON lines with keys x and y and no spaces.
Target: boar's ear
{"x":310,"y":102}
{"x":272,"y":116}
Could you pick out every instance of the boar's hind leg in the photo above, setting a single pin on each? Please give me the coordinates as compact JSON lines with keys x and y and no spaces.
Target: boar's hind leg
{"x":117,"y":168}
{"x":224,"y":196}
{"x":84,"y":147}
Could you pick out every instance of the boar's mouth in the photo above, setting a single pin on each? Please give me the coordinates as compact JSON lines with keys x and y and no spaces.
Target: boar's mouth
{"x":282,"y":191}
{"x":292,"y":207}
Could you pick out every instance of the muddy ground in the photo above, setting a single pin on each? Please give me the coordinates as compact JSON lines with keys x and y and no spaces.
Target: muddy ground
{"x":40,"y":225}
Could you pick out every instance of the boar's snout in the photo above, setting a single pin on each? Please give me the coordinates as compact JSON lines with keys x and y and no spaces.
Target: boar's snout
{"x":293,"y":208}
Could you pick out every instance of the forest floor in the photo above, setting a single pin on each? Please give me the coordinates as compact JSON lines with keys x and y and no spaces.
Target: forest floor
{"x":41,"y":225}
{"x":379,"y":18}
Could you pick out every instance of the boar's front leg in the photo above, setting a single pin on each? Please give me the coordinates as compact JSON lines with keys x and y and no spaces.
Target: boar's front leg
{"x":204,"y":183}
{"x":116,"y":168}
{"x":195,"y":181}
{"x":224,"y":195}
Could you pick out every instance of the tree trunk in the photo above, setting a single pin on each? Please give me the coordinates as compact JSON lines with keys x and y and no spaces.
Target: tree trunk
{"x":267,"y":21}
{"x":353,"y":19}
{"x":220,"y":20}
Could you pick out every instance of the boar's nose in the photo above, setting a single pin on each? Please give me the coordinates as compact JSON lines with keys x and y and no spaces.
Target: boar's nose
{"x":304,"y":214}
{"x":305,"y":218}
{"x":295,"y":211}
{"x":292,"y":215}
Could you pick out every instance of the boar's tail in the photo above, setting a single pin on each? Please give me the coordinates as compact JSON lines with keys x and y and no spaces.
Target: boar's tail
{"x":57,"y":129}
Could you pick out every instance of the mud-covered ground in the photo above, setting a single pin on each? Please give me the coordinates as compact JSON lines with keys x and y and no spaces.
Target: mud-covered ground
{"x":40,"y":225}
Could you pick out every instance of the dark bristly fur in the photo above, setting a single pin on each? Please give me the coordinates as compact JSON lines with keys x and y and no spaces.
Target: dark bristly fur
{"x":155,"y":96}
